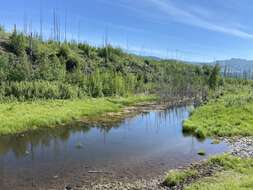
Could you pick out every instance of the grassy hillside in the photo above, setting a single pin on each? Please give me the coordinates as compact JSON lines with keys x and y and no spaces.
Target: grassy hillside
{"x":31,"y":68}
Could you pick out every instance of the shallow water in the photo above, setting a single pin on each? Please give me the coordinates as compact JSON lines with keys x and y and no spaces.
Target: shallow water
{"x":142,"y":146}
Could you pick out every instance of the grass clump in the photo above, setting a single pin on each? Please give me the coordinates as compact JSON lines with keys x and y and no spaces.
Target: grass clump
{"x":176,"y":177}
{"x":17,"y":117}
{"x":227,"y":115}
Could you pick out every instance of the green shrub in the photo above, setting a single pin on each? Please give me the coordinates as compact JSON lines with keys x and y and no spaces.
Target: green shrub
{"x":17,"y":42}
{"x":3,"y":68}
{"x":39,"y":90}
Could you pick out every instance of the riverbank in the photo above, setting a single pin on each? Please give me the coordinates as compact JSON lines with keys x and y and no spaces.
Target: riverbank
{"x":19,"y":117}
{"x":232,"y":170}
{"x":227,"y":117}
{"x":229,"y":113}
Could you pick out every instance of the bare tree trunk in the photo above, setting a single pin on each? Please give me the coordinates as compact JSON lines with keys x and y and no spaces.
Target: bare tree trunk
{"x":25,"y":24}
{"x":41,"y":21}
{"x":65,"y":27}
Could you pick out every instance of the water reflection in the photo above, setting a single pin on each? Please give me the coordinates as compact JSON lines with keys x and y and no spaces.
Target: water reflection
{"x":146,"y":139}
{"x":23,"y":144}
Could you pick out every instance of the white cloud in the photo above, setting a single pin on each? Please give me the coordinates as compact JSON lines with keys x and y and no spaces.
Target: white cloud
{"x":197,"y":19}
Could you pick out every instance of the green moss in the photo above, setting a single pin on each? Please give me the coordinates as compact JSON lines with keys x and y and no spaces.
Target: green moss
{"x":175,"y":177}
{"x":17,"y":117}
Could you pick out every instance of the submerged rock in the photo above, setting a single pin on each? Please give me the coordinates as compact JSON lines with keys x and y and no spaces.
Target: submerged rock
{"x":201,"y":152}
{"x":68,"y":187}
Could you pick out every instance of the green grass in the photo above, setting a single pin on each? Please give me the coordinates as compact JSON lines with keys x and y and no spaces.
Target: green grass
{"x":228,"y":115}
{"x":176,"y":177}
{"x":237,"y":175}
{"x":17,"y":117}
{"x":227,"y":180}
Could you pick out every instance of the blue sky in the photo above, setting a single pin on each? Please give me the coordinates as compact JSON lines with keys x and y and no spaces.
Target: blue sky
{"x":201,"y":30}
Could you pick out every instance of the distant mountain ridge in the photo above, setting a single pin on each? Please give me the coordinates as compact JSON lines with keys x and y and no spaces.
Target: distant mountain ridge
{"x":236,"y":64}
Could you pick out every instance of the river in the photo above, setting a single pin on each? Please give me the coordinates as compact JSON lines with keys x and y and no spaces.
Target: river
{"x":142,"y":146}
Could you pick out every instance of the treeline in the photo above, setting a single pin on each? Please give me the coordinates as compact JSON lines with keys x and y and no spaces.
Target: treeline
{"x":31,"y":68}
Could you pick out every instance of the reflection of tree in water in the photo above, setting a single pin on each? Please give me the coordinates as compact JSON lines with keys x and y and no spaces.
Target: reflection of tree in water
{"x":165,"y":118}
{"x":20,"y":145}
{"x":189,"y":134}
{"x":23,"y":144}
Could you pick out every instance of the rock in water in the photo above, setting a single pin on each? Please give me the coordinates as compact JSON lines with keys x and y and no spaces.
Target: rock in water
{"x":68,"y":187}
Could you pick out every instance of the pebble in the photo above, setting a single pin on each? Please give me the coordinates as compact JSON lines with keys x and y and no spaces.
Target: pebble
{"x":139,"y":185}
{"x":68,"y":187}
{"x":240,"y":146}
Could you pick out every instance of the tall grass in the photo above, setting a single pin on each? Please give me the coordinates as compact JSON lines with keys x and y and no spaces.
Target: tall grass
{"x":25,"y":90}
